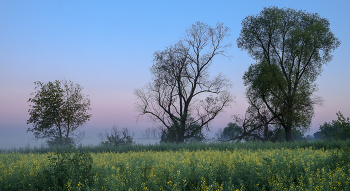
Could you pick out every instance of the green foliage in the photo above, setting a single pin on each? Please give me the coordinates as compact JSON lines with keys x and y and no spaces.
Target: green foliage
{"x":337,"y":129}
{"x":58,"y":109}
{"x":68,"y":168}
{"x":290,"y":48}
{"x":45,"y":112}
{"x":250,"y":166}
{"x":230,"y":131}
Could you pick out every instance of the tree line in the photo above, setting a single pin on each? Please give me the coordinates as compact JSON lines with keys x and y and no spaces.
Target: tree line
{"x":289,"y":47}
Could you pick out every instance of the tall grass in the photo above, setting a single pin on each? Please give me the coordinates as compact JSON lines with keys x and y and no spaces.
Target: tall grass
{"x":192,"y":146}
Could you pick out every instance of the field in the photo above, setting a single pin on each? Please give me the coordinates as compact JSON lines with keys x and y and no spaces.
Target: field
{"x":198,"y":166}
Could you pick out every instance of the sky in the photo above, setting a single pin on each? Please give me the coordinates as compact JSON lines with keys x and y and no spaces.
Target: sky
{"x":107,"y":47}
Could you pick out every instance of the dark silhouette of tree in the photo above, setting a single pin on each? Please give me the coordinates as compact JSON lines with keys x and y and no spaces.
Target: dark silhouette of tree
{"x":337,"y":129}
{"x":116,"y":137}
{"x":181,"y":80}
{"x":290,"y":48}
{"x":231,"y":131}
{"x":58,"y":109}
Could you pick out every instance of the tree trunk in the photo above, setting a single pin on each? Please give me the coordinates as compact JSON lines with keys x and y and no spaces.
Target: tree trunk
{"x":181,"y":133}
{"x":288,"y":130}
{"x":180,"y":138}
{"x":266,"y":129}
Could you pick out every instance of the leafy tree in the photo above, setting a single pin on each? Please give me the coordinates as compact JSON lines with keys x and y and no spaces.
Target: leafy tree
{"x":116,"y":137}
{"x":290,"y":48}
{"x":328,"y":131}
{"x":58,"y":109}
{"x":337,"y":129}
{"x":344,"y":124}
{"x":230,"y":131}
{"x":181,"y":78}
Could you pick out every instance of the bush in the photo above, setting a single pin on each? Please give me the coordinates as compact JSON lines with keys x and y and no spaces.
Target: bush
{"x":68,"y":170}
{"x":116,"y":137}
{"x":337,"y":129}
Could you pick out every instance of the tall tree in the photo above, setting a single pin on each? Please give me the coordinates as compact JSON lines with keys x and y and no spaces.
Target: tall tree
{"x":58,"y":109}
{"x":290,"y":48}
{"x":181,"y":78}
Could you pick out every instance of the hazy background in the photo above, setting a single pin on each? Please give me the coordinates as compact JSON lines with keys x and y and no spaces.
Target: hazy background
{"x":107,"y":47}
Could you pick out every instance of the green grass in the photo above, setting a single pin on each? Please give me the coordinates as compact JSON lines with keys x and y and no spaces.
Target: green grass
{"x":193,"y":146}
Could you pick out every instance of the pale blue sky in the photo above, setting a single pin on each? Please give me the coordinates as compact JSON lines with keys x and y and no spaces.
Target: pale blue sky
{"x":107,"y":47}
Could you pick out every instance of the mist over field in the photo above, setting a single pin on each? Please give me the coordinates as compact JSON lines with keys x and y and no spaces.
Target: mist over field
{"x":7,"y":142}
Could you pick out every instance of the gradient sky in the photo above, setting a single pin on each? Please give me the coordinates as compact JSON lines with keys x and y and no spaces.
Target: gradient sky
{"x":107,"y":47}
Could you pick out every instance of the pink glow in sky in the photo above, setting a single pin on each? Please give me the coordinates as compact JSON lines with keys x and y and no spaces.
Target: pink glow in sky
{"x":107,"y":47}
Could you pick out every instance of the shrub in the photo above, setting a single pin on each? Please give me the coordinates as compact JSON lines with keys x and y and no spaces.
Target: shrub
{"x":116,"y":137}
{"x":68,"y":170}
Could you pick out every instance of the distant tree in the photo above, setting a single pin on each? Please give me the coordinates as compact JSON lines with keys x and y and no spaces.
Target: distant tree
{"x":116,"y":137}
{"x":230,"y":131}
{"x":58,"y":109}
{"x":181,"y":78}
{"x":290,"y":48}
{"x":151,"y":133}
{"x":328,"y":131}
{"x":337,"y":129}
{"x":318,"y":135}
{"x":309,"y":137}
{"x":344,"y":124}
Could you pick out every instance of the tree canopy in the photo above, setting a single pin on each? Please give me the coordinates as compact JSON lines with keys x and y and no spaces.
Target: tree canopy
{"x":290,"y":48}
{"x":58,"y":109}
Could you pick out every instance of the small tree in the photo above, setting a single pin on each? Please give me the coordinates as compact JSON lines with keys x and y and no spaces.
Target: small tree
{"x":231,"y":131}
{"x":337,"y":129}
{"x":58,"y":109}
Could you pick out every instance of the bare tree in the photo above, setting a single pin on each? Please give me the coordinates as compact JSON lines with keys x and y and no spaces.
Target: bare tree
{"x":181,"y":78}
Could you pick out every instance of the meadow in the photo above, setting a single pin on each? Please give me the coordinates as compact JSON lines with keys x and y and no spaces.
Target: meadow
{"x":320,"y":165}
